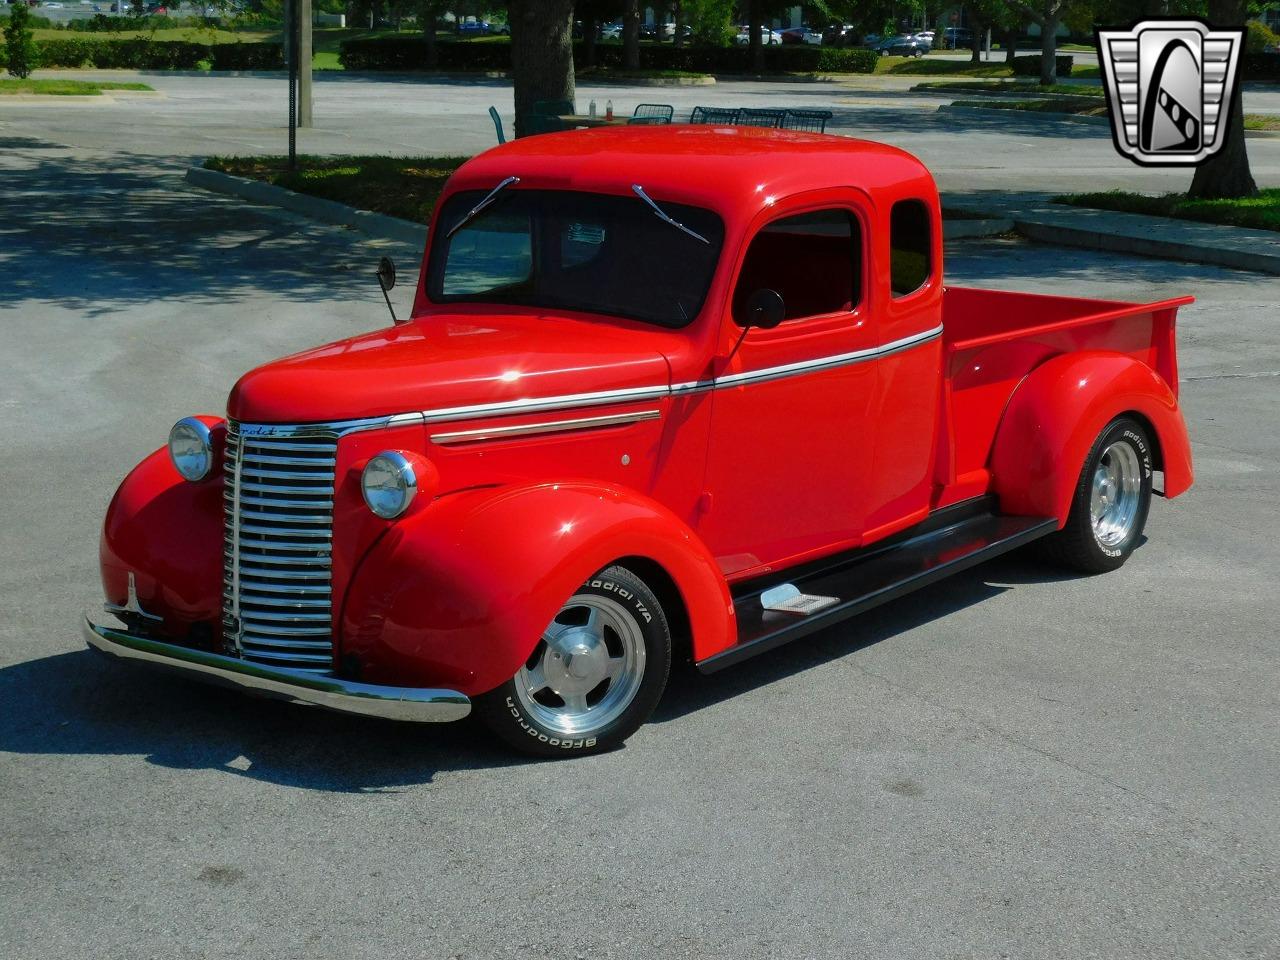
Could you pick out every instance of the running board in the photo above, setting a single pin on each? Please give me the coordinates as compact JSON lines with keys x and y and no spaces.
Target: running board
{"x":868,"y":577}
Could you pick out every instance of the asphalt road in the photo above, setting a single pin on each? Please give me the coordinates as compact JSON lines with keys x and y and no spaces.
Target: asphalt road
{"x":1011,"y":764}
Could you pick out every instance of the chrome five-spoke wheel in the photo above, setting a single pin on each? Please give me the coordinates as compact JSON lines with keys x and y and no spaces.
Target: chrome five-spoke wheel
{"x":592,"y":677}
{"x":1110,"y":502}
{"x":586,"y":669}
{"x":1116,"y":494}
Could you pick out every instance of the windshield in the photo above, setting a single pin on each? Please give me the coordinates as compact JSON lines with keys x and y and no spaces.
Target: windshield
{"x":575,"y":251}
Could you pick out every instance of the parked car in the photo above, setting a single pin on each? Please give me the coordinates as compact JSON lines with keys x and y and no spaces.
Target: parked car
{"x":738,"y":404}
{"x":612,"y":31}
{"x":801,"y":35}
{"x":839,"y":35}
{"x":903,"y":46}
{"x":474,"y":28}
{"x":955,"y":38}
{"x":767,"y":36}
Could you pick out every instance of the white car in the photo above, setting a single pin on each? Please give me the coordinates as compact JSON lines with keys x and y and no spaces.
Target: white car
{"x":766,"y":36}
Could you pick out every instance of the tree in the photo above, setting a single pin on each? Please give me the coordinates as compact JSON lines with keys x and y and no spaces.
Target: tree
{"x":23,"y":57}
{"x":1047,"y":14}
{"x":428,"y":16}
{"x":631,"y":35}
{"x":541,"y":54}
{"x":1227,"y":173}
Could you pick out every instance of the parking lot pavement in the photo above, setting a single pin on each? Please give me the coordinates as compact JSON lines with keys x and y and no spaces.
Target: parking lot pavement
{"x":1013,"y":763}
{"x":403,"y":115}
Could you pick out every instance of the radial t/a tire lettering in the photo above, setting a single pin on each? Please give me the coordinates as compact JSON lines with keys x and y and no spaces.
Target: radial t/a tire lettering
{"x":1110,"y":504}
{"x":594,"y":676}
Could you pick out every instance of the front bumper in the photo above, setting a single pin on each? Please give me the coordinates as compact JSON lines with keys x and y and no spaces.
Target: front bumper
{"x":393,"y":703}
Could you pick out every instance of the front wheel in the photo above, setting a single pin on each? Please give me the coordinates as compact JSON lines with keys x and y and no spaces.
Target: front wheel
{"x":594,"y":676}
{"x":1110,"y":504}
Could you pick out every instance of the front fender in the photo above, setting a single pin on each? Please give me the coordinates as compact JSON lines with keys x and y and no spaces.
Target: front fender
{"x":1056,"y":414}
{"x":459,"y":593}
{"x":167,"y":532}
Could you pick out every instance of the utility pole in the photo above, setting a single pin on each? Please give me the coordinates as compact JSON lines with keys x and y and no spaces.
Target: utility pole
{"x":291,"y":51}
{"x":304,"y":62}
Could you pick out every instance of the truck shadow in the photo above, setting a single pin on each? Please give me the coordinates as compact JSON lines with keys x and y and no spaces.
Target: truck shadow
{"x":77,"y":703}
{"x":688,"y":690}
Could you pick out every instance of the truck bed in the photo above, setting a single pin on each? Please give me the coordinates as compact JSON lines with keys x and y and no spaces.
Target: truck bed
{"x":994,"y":338}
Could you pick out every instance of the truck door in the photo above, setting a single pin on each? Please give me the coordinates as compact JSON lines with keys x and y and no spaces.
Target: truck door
{"x":792,"y":428}
{"x":909,"y":315}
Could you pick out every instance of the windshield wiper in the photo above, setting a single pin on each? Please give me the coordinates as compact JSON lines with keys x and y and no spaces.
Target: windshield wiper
{"x":479,"y":207}
{"x":639,"y":192}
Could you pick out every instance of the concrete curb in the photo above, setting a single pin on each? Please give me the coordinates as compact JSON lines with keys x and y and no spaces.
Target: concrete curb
{"x":587,"y":79}
{"x":966,"y":229}
{"x":376,"y":225}
{"x":1071,"y":118}
{"x":1118,"y":233}
{"x":994,"y":112}
{"x":1149,"y":246}
{"x":1163,"y":238}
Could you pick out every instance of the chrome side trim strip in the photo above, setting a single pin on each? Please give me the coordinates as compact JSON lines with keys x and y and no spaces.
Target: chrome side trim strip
{"x":549,"y":426}
{"x":299,"y":686}
{"x":339,"y":428}
{"x":539,"y":405}
{"x":826,"y":363}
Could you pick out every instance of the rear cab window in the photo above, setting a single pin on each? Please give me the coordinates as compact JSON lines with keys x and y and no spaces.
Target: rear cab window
{"x":910,"y":247}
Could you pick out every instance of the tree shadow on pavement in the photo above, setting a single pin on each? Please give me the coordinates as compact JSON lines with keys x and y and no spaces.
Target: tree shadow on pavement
{"x":101,"y":234}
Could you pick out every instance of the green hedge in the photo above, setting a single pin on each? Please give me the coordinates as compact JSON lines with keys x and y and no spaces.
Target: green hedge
{"x":1260,"y":66}
{"x":409,"y":53}
{"x":1030,"y":66}
{"x":141,"y":53}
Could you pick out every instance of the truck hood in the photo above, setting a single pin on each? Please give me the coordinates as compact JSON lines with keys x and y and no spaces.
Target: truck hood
{"x":446,"y":361}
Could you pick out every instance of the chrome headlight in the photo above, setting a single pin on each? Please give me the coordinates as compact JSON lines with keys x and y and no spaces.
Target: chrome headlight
{"x":191,"y":449}
{"x":389,"y":484}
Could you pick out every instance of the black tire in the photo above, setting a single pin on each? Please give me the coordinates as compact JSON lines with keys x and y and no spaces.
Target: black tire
{"x":504,"y":711}
{"x":1077,"y":545}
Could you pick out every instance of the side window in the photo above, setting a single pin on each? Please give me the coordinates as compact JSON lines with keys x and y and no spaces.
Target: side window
{"x":814,"y":261}
{"x":909,"y":246}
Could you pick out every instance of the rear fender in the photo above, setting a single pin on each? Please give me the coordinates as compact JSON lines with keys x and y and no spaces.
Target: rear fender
{"x":1056,"y":414}
{"x":459,"y":593}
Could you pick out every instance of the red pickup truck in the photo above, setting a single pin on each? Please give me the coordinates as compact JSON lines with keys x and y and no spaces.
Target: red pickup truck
{"x":664,"y":392}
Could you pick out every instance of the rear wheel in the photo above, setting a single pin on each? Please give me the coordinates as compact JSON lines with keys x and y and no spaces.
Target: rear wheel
{"x":594,"y":676}
{"x":1110,"y":504}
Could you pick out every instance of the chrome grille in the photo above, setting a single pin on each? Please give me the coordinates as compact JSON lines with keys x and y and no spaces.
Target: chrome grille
{"x":278,"y":492}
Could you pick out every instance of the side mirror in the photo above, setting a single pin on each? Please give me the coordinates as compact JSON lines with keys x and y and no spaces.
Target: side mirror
{"x":386,"y":273}
{"x":387,"y":280}
{"x":764,"y":309}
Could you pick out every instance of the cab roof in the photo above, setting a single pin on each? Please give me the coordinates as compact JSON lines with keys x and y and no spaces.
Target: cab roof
{"x":732,"y":170}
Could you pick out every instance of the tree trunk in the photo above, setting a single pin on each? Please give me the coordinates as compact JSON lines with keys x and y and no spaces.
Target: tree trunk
{"x":754,"y":17}
{"x":590,"y":27}
{"x":541,"y":54}
{"x":1226,"y":174}
{"x":678,"y":11}
{"x":428,"y":15}
{"x":1011,"y":44}
{"x":979,"y":31}
{"x":1049,"y":51}
{"x":631,"y":35}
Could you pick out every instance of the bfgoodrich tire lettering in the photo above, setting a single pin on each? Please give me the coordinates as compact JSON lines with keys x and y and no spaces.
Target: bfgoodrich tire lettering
{"x":594,"y":676}
{"x":1110,"y":504}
